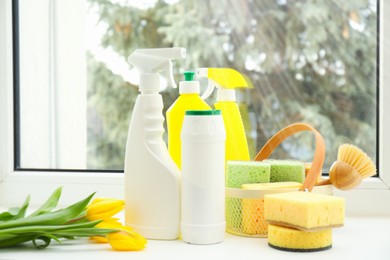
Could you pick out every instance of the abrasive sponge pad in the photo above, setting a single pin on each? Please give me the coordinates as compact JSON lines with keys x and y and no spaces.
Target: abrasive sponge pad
{"x":287,"y":170}
{"x":242,"y":172}
{"x":304,"y":210}
{"x":288,"y":239}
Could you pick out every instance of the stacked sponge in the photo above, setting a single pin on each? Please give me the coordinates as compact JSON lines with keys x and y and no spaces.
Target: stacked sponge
{"x":238,"y":173}
{"x":302,"y":221}
{"x":242,"y":172}
{"x":287,"y":170}
{"x":253,"y":221}
{"x":246,"y":215}
{"x":288,"y":239}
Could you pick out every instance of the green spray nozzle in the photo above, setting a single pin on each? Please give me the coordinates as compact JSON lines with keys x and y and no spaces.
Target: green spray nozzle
{"x":189,"y":75}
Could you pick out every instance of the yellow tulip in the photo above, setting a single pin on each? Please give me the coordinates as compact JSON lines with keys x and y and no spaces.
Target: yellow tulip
{"x":99,"y":239}
{"x":102,"y":209}
{"x":113,"y":224}
{"x":126,"y":241}
{"x":110,"y":224}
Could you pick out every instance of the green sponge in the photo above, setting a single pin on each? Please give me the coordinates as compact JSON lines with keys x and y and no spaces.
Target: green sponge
{"x":287,"y":170}
{"x":238,"y":173}
{"x":243,"y":172}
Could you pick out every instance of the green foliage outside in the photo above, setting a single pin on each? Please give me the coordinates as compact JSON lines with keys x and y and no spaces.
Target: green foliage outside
{"x":309,"y":61}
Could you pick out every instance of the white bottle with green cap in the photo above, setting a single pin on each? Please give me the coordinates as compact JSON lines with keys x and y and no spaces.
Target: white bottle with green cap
{"x":203,"y":139}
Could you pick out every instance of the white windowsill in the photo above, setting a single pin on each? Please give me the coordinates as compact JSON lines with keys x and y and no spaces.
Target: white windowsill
{"x":80,"y":184}
{"x":370,"y":198}
{"x":360,"y":238}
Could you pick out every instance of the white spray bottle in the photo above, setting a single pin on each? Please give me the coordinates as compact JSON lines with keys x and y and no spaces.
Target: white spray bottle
{"x":152,"y":179}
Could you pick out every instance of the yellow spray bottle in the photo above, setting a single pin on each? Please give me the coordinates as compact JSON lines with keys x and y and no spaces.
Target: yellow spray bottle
{"x":226,"y":80}
{"x":189,"y":99}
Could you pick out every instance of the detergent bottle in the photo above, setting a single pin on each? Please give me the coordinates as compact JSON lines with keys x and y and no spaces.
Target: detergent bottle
{"x":152,"y":179}
{"x":203,"y":177}
{"x":189,"y":99}
{"x":226,"y":80}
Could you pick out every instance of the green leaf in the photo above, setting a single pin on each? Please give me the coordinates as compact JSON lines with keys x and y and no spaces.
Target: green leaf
{"x":15,"y":240}
{"x":53,"y":218}
{"x":47,"y":228}
{"x":85,"y":232}
{"x":8,"y":215}
{"x":69,"y":237}
{"x":50,"y":204}
{"x":43,"y":225}
{"x":15,"y":212}
{"x":22,"y":211}
{"x":46,"y":240}
{"x":7,"y":240}
{"x":17,"y":235}
{"x":6,"y":237}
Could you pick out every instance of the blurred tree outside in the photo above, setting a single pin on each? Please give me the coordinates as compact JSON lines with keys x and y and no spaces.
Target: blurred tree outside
{"x":309,"y":61}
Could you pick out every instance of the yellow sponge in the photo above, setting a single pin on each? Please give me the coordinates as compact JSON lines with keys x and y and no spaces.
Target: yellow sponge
{"x":271,"y":185}
{"x":288,"y":239}
{"x":304,"y":210}
{"x":253,"y":222}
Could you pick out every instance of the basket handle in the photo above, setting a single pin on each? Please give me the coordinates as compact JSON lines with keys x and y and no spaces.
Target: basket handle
{"x":319,"y":155}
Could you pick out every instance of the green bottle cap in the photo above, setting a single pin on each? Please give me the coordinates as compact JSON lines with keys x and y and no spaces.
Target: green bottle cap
{"x":203,"y":112}
{"x":189,"y":75}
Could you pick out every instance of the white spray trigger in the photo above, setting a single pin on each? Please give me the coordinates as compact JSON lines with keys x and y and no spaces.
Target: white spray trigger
{"x":167,"y":68}
{"x":209,"y":90}
{"x":149,"y":62}
{"x":203,"y":73}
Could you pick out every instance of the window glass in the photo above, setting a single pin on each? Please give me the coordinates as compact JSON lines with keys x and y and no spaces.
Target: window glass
{"x":307,"y":61}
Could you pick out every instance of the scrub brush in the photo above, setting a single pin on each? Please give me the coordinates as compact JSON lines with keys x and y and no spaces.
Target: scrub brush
{"x":351,"y":167}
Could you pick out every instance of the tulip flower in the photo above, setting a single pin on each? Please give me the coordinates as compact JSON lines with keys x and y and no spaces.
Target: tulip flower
{"x":77,"y":220}
{"x":102,"y":208}
{"x":126,"y":241}
{"x":109,"y":224}
{"x":106,"y":224}
{"x":45,"y":225}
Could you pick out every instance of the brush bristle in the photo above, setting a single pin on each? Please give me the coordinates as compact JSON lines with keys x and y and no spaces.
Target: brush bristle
{"x":358,"y":159}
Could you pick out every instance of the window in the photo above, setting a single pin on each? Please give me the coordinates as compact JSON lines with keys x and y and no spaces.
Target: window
{"x":76,"y":91}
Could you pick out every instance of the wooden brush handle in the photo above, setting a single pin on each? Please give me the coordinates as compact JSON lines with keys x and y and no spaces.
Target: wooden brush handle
{"x":324,"y":182}
{"x":319,"y":155}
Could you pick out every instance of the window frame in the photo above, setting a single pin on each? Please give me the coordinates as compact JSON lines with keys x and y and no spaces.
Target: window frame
{"x":371,"y":197}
